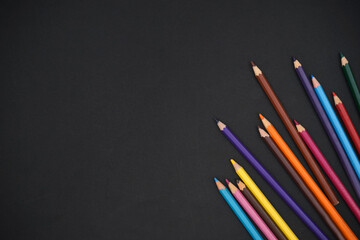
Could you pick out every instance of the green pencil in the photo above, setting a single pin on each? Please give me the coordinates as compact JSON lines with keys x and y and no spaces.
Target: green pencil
{"x":351,"y":80}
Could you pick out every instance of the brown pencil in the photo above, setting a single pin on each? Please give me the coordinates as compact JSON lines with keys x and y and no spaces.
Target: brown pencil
{"x":256,"y":205}
{"x":294,"y":134}
{"x":295,"y":176}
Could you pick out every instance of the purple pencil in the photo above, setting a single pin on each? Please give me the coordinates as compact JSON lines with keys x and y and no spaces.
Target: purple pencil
{"x":272,"y":182}
{"x":328,"y":127}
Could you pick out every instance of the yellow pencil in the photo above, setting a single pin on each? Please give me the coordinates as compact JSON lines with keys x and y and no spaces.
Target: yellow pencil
{"x":275,"y":216}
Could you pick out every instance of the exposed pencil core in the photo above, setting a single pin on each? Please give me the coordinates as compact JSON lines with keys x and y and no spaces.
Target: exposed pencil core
{"x":235,"y":164}
{"x":314,"y":82}
{"x":252,"y":63}
{"x":262,"y":132}
{"x":337,"y":100}
{"x":221,"y":125}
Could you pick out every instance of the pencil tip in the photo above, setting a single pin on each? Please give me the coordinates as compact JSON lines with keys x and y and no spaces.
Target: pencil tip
{"x":315,"y":82}
{"x":341,"y":54}
{"x":334,"y":94}
{"x":215,"y":119}
{"x":227,"y":181}
{"x":296,"y":122}
{"x":293,"y":58}
{"x":232,"y":161}
{"x":216,"y":180}
{"x":252,"y":63}
{"x":311,"y":76}
{"x":261,"y":116}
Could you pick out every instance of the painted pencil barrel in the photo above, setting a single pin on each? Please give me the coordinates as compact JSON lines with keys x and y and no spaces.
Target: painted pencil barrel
{"x":338,"y":129}
{"x":240,"y":214}
{"x":266,"y":204}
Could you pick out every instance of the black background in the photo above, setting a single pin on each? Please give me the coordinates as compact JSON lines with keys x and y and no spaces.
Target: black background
{"x":106,"y":111}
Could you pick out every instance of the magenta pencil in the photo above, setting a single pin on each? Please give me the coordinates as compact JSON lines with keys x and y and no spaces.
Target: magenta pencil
{"x":328,"y":170}
{"x":251,"y":211}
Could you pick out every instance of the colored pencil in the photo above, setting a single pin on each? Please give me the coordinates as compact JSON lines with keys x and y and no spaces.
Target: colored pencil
{"x":263,"y":201}
{"x":299,"y":182}
{"x":328,"y":170}
{"x":328,"y":127}
{"x":337,"y":125}
{"x":238,"y":211}
{"x":347,"y":122}
{"x":272,"y":182}
{"x":251,"y":211}
{"x":294,"y":134}
{"x":351,"y":80}
{"x":260,"y":210}
{"x":325,"y":203}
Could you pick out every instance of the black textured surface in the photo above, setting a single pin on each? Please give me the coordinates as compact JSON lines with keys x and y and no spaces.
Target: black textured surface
{"x":106,"y":111}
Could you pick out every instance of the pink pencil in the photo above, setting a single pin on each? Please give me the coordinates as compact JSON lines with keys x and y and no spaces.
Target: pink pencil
{"x":251,"y":211}
{"x":328,"y":170}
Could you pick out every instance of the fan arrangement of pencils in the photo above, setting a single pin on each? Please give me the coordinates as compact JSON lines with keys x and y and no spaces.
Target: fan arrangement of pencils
{"x":254,"y":210}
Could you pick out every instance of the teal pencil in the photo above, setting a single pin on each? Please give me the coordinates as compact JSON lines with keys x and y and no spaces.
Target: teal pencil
{"x":337,"y":126}
{"x":238,"y":210}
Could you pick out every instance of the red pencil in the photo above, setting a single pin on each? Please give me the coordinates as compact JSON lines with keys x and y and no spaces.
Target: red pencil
{"x":347,"y":122}
{"x":328,"y":170}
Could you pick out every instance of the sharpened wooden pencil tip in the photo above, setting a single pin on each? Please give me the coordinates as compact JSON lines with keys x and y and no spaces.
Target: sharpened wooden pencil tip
{"x":227,"y":181}
{"x":241,"y":185}
{"x":235,"y":164}
{"x":252,"y":63}
{"x":232,"y":187}
{"x":262,"y":132}
{"x":336,"y":99}
{"x":221,"y":125}
{"x":219,"y":184}
{"x":261,"y":116}
{"x":296,"y":122}
{"x":299,"y":128}
{"x":315,"y":82}
{"x":341,"y":54}
{"x":343,"y":60}
{"x":334,"y":94}
{"x":264,"y":121}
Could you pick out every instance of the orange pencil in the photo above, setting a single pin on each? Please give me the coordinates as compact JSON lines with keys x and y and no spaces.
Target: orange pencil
{"x":325,"y":203}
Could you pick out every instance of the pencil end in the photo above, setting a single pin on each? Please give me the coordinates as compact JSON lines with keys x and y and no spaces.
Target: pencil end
{"x":235,"y":164}
{"x":262,"y":132}
{"x":315,"y":82}
{"x":227,"y":181}
{"x":240,"y":184}
{"x":341,"y":54}
{"x":261,"y":116}
{"x":293,"y":58}
{"x":215,"y":119}
{"x":215,"y":179}
{"x":220,"y":125}
{"x":252,"y":63}
{"x":296,"y":122}
{"x":336,"y":99}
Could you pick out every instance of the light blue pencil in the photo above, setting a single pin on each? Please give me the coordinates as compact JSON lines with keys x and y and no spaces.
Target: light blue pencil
{"x":238,"y":210}
{"x":337,"y":126}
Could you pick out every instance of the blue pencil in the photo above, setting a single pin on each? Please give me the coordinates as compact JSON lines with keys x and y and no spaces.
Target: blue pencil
{"x":238,"y":210}
{"x":337,"y":126}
